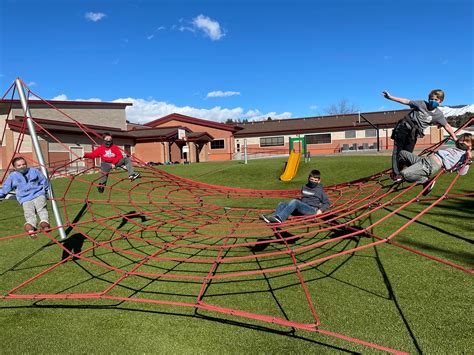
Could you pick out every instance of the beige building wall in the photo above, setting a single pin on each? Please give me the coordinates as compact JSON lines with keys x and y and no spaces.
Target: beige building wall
{"x":113,"y":117}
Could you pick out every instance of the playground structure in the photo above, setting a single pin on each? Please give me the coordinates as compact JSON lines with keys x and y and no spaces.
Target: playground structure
{"x":291,"y":167}
{"x":141,"y":239}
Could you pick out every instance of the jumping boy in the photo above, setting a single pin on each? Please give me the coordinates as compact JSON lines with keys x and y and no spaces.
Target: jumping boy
{"x":411,"y":127}
{"x":31,"y":187}
{"x":313,"y":201}
{"x":111,"y":157}
{"x":419,"y":169}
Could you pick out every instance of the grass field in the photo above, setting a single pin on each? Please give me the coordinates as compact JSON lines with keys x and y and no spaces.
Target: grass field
{"x":383,"y":294}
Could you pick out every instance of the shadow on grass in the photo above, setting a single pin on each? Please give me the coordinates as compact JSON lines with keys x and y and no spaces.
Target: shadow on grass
{"x":437,"y":229}
{"x":393,"y":297}
{"x":291,"y":333}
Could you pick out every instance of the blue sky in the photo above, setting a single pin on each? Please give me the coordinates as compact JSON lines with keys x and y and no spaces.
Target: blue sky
{"x":239,"y":59}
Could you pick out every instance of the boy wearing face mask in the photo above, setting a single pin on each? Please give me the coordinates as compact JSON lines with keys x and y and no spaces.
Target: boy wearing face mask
{"x":111,"y":157}
{"x":410,"y":127}
{"x":31,"y":187}
{"x":313,"y":200}
{"x":419,"y":169}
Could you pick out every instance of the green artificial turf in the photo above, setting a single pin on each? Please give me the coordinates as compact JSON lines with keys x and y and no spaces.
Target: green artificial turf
{"x":382,"y":294}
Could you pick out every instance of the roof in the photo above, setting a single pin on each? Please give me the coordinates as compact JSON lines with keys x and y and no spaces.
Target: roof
{"x":17,"y":103}
{"x":320,"y":124}
{"x":139,"y":134}
{"x":193,"y":120}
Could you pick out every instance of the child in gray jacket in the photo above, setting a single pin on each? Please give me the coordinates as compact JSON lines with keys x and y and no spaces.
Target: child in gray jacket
{"x":313,"y":201}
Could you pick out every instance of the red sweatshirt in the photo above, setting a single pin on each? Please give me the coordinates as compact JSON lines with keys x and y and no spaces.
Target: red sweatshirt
{"x":110,"y":155}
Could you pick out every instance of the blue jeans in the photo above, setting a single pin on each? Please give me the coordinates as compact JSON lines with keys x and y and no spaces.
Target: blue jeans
{"x":284,"y":210}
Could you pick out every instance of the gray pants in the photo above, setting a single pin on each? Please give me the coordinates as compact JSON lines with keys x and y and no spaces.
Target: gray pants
{"x":106,"y":167}
{"x":36,"y":206}
{"x":419,"y":169}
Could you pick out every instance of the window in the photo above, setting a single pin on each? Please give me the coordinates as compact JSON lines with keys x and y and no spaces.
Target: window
{"x":217,"y":144}
{"x":370,"y":132}
{"x":350,"y":134}
{"x":271,"y":141}
{"x":318,"y":138}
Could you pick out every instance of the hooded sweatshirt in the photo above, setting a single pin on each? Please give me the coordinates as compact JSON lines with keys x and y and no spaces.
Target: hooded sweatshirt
{"x":315,"y":197}
{"x":110,"y":155}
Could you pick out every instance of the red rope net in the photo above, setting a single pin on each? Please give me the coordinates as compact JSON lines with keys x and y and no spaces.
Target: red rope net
{"x":165,"y":240}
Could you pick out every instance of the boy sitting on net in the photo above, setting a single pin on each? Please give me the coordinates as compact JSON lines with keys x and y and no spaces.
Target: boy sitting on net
{"x":419,"y":169}
{"x":31,"y":188}
{"x":111,"y":157}
{"x":313,"y":201}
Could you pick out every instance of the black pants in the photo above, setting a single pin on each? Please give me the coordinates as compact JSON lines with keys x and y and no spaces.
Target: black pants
{"x":404,"y":138}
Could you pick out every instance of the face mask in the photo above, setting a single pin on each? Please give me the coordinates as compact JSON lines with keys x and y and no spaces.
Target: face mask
{"x":311,"y":184}
{"x":22,"y":170}
{"x":433,"y":104}
{"x":108,"y":144}
{"x":461,"y":145}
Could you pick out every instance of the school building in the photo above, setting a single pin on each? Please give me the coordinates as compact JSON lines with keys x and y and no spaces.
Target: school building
{"x":180,"y":138}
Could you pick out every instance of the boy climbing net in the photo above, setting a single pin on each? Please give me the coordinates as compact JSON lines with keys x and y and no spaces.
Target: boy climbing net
{"x":419,"y":169}
{"x":111,"y":157}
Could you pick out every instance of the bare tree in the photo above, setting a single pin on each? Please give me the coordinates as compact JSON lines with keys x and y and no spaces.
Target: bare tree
{"x":342,"y":107}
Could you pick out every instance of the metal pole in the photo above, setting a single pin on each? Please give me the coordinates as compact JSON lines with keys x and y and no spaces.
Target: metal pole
{"x":245,"y":151}
{"x":39,"y":154}
{"x":378,"y":139}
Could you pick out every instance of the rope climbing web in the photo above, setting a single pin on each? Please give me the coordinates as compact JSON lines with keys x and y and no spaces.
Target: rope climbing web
{"x":169,"y":242}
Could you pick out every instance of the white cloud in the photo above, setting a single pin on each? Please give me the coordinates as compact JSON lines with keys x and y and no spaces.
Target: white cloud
{"x":220,"y":93}
{"x":62,"y":97}
{"x":186,"y":28}
{"x":94,"y":16}
{"x":150,"y":37}
{"x":313,"y":107}
{"x":31,"y":83}
{"x":161,"y":28}
{"x":210,"y":27}
{"x":144,"y":111}
{"x":92,"y":99}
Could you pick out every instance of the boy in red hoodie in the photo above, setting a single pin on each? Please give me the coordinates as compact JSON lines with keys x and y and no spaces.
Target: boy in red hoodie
{"x":111,"y":157}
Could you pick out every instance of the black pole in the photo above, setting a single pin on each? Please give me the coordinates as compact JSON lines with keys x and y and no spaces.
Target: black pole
{"x":376,"y":129}
{"x":378,"y":139}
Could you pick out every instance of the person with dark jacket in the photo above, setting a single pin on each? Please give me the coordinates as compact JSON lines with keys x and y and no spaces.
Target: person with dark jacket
{"x":313,"y":201}
{"x":111,"y":157}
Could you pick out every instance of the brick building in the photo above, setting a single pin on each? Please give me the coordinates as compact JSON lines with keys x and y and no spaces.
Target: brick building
{"x":180,"y":138}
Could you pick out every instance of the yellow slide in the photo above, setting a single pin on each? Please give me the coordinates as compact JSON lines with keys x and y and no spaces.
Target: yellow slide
{"x":291,"y":166}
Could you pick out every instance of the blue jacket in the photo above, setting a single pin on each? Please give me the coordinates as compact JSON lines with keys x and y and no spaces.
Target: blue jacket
{"x":28,"y":186}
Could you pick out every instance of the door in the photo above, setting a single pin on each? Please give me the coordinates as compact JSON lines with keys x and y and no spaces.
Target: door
{"x":74,"y":153}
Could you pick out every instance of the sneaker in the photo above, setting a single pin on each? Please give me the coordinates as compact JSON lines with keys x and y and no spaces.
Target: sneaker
{"x":397,"y":178}
{"x":134,"y":176}
{"x":276,"y":219}
{"x":44,"y":225}
{"x":29,"y":228}
{"x":430,"y":184}
{"x":271,"y":219}
{"x":100,"y":188}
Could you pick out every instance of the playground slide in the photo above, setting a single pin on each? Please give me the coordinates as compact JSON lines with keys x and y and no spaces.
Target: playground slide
{"x":291,"y":166}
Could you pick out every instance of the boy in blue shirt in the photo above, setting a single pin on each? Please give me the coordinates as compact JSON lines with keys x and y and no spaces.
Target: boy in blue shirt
{"x":31,"y":187}
{"x":420,"y":169}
